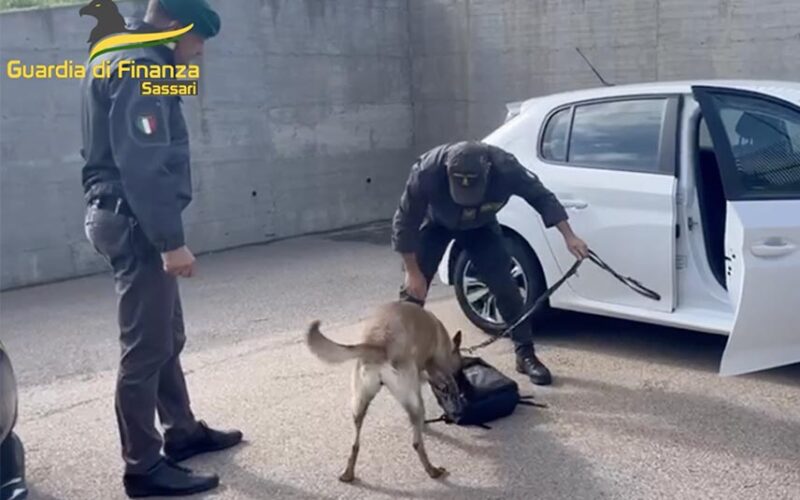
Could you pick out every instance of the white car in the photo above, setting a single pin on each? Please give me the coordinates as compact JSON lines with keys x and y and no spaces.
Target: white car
{"x":692,"y":188}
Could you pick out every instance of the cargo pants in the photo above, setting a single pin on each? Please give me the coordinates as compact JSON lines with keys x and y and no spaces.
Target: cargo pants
{"x":487,"y":250}
{"x":150,"y":379}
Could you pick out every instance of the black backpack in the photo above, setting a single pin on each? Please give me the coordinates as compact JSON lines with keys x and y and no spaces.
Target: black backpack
{"x":484,"y":395}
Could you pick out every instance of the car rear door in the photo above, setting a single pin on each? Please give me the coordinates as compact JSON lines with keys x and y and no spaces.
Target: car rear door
{"x":611,"y":163}
{"x":756,"y":137}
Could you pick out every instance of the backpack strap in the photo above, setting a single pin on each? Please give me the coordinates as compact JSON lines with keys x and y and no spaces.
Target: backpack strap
{"x":531,"y":403}
{"x":442,"y":418}
{"x":526,"y":400}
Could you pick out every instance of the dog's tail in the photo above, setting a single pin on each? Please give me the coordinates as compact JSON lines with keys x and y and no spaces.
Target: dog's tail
{"x":332,"y":352}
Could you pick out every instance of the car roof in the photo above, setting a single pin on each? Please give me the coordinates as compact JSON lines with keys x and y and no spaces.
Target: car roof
{"x":784,"y":89}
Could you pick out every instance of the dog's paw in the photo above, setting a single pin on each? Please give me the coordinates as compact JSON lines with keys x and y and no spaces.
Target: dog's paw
{"x":347,"y":477}
{"x":437,"y":472}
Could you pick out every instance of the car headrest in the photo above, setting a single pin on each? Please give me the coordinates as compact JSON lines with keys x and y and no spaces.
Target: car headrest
{"x":751,"y":126}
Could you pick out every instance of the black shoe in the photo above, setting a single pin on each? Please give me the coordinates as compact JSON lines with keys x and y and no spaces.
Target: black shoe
{"x":529,"y":364}
{"x":167,"y":479}
{"x":203,"y":440}
{"x":12,"y":468}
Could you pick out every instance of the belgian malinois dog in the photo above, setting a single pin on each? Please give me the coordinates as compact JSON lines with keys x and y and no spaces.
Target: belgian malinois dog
{"x":400,"y":346}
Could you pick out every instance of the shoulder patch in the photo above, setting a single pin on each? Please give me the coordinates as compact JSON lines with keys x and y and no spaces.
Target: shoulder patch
{"x":147,"y":122}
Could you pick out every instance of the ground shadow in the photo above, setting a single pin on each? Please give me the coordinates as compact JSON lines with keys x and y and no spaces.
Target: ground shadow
{"x":714,"y":424}
{"x":523,"y":455}
{"x":454,"y":491}
{"x":255,"y":486}
{"x":377,"y":233}
{"x":237,"y":478}
{"x":464,"y":445}
{"x":657,"y":344}
{"x":532,"y":462}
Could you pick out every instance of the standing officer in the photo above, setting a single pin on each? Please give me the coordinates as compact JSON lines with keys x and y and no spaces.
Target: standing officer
{"x":454,"y":192}
{"x":137,"y":183}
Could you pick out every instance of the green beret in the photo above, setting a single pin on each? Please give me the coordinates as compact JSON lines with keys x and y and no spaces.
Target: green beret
{"x":206,"y":21}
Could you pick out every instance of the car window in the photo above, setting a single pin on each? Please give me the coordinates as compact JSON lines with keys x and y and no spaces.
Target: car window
{"x":554,"y":139}
{"x":704,"y":137}
{"x":624,"y":135}
{"x":765,"y":140}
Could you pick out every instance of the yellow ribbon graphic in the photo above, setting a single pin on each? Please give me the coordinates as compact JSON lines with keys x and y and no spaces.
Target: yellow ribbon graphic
{"x":125,"y":40}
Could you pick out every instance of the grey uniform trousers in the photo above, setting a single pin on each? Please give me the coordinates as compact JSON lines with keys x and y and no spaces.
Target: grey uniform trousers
{"x":150,"y":378}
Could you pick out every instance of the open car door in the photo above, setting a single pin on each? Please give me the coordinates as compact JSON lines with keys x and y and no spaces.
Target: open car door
{"x":756,"y":138}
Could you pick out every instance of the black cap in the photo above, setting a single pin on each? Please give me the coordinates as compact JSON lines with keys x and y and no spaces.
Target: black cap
{"x":468,"y":172}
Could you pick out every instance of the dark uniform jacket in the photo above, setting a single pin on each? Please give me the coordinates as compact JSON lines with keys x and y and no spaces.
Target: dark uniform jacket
{"x":426,"y":198}
{"x":137,"y":147}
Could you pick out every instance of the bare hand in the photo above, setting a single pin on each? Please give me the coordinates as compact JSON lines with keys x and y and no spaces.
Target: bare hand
{"x":179,"y":262}
{"x":577,"y":247}
{"x":416,"y":285}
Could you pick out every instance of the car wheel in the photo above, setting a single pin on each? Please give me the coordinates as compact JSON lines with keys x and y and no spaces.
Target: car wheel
{"x":480,"y":305}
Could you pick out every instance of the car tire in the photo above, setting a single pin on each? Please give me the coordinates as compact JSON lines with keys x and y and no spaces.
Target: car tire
{"x":529,"y":277}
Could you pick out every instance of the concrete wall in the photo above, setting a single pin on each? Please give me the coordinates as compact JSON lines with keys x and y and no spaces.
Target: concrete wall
{"x":312,"y":109}
{"x":472,"y":56}
{"x":304,"y":124}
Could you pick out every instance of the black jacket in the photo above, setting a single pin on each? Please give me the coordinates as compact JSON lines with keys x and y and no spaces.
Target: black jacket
{"x":137,"y":147}
{"x":426,"y":198}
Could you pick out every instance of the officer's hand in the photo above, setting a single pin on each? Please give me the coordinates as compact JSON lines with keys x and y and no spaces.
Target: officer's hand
{"x":577,"y":247}
{"x":416,"y":285}
{"x":179,"y":262}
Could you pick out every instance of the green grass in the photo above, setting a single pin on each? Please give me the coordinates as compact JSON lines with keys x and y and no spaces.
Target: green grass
{"x":25,"y":4}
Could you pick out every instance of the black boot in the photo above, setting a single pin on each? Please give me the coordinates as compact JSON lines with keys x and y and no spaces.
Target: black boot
{"x":167,"y":479}
{"x":203,"y":440}
{"x":530,"y":365}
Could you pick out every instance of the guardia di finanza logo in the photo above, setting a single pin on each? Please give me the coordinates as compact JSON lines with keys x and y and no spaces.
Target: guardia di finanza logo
{"x":111,"y":34}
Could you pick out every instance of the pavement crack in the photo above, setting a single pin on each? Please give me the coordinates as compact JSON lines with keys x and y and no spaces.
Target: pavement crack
{"x":67,"y":408}
{"x":298,"y":376}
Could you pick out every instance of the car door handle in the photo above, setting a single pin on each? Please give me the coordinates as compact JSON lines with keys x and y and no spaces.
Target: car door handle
{"x":772,"y":249}
{"x":576,"y":204}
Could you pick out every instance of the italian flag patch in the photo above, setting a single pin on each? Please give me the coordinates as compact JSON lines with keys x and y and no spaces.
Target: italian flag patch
{"x":147,"y":124}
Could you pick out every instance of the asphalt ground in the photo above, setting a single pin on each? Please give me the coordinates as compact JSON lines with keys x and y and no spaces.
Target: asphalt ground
{"x":635,"y":411}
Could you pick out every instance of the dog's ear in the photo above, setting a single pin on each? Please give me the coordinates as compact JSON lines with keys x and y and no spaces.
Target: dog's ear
{"x":457,"y":341}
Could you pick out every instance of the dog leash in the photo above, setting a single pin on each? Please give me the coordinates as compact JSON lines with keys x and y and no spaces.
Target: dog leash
{"x":626,"y":280}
